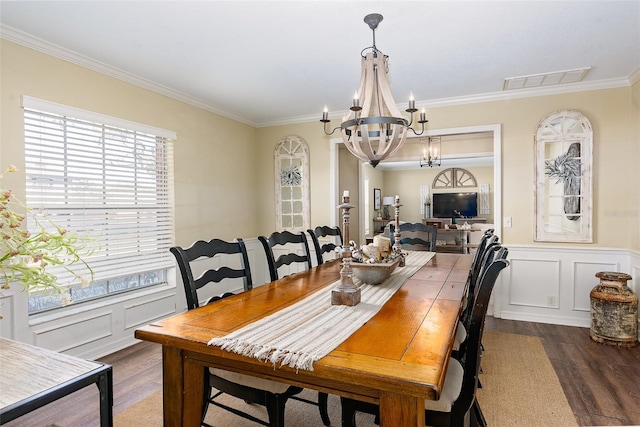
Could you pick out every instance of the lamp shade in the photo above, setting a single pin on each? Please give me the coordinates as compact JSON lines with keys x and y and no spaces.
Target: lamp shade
{"x":387,"y":200}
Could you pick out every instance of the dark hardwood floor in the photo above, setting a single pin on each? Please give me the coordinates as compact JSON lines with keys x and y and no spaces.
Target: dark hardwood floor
{"x":602,"y":383}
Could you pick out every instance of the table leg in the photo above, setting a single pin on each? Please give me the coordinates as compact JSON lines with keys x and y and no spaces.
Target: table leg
{"x":397,"y":410}
{"x":105,"y":385}
{"x":193,"y":383}
{"x":172,"y":386}
{"x":183,"y":384}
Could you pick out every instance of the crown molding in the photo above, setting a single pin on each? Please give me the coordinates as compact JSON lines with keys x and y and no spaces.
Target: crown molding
{"x":634,"y":77}
{"x":25,"y":39}
{"x":481,"y":98}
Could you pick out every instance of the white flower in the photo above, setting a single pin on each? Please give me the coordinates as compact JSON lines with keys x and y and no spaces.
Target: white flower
{"x":65,"y":299}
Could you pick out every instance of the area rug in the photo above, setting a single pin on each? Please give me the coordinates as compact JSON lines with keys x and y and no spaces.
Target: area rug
{"x":519,"y":385}
{"x":520,"y":388}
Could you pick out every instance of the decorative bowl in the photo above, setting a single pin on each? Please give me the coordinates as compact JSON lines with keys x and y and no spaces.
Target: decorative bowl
{"x":374,"y":273}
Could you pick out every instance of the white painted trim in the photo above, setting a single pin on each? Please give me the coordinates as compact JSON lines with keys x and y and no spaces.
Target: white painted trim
{"x":78,"y":113}
{"x":114,"y":330}
{"x":571,"y":281}
{"x":44,"y":46}
{"x":486,"y":97}
{"x":634,"y":77}
{"x":334,"y":181}
{"x":496,"y":129}
{"x":540,"y":318}
{"x":24,"y":39}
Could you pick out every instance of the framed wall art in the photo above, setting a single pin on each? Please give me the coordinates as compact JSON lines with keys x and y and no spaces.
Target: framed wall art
{"x":563,"y":182}
{"x":377,"y":197}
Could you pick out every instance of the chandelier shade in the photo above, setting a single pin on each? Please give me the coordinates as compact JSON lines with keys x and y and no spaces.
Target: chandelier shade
{"x":373,"y":128}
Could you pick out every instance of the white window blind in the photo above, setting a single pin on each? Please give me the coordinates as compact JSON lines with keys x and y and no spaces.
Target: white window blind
{"x":112,"y":182}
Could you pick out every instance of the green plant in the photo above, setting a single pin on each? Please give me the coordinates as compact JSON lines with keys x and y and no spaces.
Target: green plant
{"x":25,"y":257}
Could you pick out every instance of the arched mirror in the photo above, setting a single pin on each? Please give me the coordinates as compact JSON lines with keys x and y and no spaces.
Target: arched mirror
{"x":292,"y":184}
{"x":564,"y":145}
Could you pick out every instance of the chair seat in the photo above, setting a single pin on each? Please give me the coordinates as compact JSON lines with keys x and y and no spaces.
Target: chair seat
{"x":461,"y":336}
{"x":450,"y":391}
{"x":249,"y":381}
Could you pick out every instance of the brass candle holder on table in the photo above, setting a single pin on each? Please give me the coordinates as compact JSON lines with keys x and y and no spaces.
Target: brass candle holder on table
{"x":346,"y":293}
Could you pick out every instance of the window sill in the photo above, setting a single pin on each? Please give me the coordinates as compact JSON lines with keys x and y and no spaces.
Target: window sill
{"x":83,"y":307}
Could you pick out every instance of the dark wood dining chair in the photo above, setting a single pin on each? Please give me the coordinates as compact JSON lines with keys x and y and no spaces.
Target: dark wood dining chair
{"x":493,"y":252}
{"x":458,"y":396}
{"x":278,"y":250}
{"x":271,"y":394}
{"x":488,"y":237}
{"x":487,"y":241}
{"x":329,"y":247}
{"x":415,"y":236}
{"x":284,"y":241}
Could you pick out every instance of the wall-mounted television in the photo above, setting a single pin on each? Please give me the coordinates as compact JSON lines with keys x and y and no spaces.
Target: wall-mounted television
{"x":455,"y":205}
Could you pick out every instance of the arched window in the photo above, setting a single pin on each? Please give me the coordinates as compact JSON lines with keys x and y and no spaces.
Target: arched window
{"x":454,"y":178}
{"x":292,"y":184}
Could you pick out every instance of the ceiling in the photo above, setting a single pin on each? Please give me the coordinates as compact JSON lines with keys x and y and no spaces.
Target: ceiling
{"x":275,"y":62}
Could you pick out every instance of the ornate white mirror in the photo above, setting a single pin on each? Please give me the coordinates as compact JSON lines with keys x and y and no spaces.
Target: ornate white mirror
{"x":292,"y":184}
{"x":564,"y":145}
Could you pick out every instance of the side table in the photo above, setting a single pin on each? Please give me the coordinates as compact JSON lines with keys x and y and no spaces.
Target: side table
{"x":32,"y":377}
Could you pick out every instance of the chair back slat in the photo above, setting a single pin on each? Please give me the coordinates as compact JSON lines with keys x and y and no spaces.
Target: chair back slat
{"x":325,"y":231}
{"x":185,"y":257}
{"x":487,"y":239}
{"x":284,"y":239}
{"x":422,"y":237}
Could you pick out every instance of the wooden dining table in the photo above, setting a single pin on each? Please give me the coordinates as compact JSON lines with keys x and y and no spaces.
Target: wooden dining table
{"x":397,"y":359}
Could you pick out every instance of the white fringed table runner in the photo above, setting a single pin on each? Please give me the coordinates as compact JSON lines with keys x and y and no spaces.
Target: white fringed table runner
{"x":308,"y":330}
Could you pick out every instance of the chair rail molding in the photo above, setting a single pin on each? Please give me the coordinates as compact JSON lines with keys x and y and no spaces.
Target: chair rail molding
{"x":552,"y":284}
{"x":92,"y":330}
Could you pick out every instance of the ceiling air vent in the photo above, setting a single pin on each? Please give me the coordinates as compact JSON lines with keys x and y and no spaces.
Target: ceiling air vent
{"x":545,"y":79}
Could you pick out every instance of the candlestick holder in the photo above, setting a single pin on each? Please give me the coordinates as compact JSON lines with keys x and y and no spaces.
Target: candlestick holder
{"x":396,"y":234}
{"x":346,"y":293}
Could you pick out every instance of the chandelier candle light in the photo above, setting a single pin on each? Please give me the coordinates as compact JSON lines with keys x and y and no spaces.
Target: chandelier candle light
{"x":346,"y":293}
{"x":430,"y":156}
{"x":374,"y":128}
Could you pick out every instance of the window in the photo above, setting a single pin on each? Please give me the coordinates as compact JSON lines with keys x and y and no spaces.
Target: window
{"x":106,"y":177}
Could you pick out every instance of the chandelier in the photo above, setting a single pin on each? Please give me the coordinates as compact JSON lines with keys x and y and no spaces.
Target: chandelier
{"x":374,"y":128}
{"x":430,"y":152}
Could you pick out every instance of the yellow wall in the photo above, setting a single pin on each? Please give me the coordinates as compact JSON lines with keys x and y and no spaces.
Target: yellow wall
{"x":406,"y":184}
{"x":214,"y":156}
{"x":608,"y":111}
{"x":319,"y":148}
{"x":615,"y":158}
{"x":224,"y":170}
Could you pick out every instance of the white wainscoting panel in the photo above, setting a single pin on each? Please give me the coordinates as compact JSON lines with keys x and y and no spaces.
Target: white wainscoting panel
{"x":552,"y":284}
{"x":634,"y":283}
{"x":95,"y":329}
{"x":7,"y":303}
{"x":585,"y":279}
{"x":537,"y":279}
{"x":75,"y":331}
{"x":141,"y":313}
